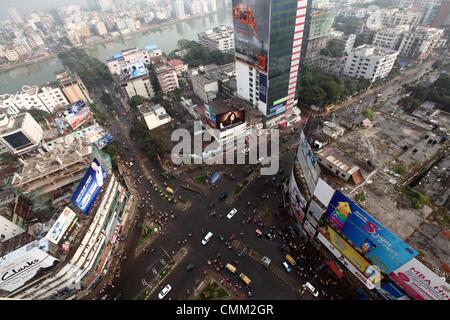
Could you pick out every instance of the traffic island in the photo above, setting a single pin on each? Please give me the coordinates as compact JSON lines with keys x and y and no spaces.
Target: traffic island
{"x":214,"y":287}
{"x":163,"y":274}
{"x":148,"y":234}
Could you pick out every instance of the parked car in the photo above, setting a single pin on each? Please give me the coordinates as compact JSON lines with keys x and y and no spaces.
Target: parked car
{"x":164,"y":292}
{"x":207,"y":238}
{"x":223,"y":196}
{"x":286,"y":266}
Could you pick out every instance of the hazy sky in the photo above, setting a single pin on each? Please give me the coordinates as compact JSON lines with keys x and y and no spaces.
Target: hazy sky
{"x":27,"y":6}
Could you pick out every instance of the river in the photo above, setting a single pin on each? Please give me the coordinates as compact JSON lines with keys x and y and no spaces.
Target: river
{"x":40,"y":73}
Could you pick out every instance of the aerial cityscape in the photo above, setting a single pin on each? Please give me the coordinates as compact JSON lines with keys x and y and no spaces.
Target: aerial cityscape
{"x":233,"y":150}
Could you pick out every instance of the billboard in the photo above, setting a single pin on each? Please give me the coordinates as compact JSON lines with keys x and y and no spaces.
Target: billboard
{"x":251,"y":19}
{"x":308,"y":163}
{"x":132,"y":71}
{"x":358,"y":274}
{"x":210,"y":115}
{"x":263,"y":87}
{"x":77,"y":113}
{"x":59,"y":228}
{"x":104,"y":141}
{"x":369,"y":236}
{"x":22,"y":265}
{"x":298,"y":202}
{"x":230,"y":118}
{"x":89,"y":187}
{"x":420,"y":282}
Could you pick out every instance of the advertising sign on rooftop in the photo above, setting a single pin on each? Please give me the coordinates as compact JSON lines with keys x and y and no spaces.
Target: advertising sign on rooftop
{"x":133,"y":71}
{"x":230,"y":118}
{"x":77,"y":113}
{"x":62,"y":224}
{"x":420,"y":282}
{"x":90,"y":187}
{"x":367,"y":235}
{"x":104,"y":141}
{"x":18,"y":268}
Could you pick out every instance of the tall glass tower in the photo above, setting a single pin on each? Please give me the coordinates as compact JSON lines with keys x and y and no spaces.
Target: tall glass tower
{"x":268,"y":42}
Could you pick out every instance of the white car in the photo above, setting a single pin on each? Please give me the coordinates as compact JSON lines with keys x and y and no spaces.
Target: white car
{"x":207,"y":238}
{"x":311,"y":289}
{"x":260,"y":160}
{"x":232,"y":213}
{"x":164,"y":292}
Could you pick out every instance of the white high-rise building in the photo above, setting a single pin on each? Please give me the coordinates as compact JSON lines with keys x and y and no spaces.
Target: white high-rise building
{"x":369,"y":62}
{"x":212,"y":5}
{"x":220,"y":38}
{"x":389,"y":38}
{"x":205,"y":6}
{"x":178,"y":6}
{"x":420,"y":42}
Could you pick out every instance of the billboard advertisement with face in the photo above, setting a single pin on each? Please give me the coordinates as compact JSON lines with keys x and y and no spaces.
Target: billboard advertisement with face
{"x":298,"y":202}
{"x":420,"y":282}
{"x":90,"y":187}
{"x":133,"y":71}
{"x":230,"y":118}
{"x":367,"y":235}
{"x":251,"y":31}
{"x":308,"y":163}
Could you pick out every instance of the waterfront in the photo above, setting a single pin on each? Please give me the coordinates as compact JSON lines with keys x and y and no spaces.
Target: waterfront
{"x":166,"y":38}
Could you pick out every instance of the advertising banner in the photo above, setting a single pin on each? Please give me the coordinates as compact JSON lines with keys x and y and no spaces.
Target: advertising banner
{"x":308,"y":163}
{"x":315,"y":210}
{"x":210,"y":116}
{"x":228,"y":119}
{"x":263,"y":87}
{"x":77,"y":114}
{"x":133,"y":71}
{"x":104,"y":141}
{"x":359,"y":275}
{"x":298,"y":202}
{"x":90,"y":187}
{"x":420,"y":282}
{"x":18,"y":268}
{"x":59,"y":228}
{"x":309,"y":228}
{"x":367,"y":235}
{"x":251,"y":31}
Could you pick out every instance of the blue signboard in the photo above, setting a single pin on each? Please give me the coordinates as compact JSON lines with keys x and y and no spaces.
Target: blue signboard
{"x":263,"y":87}
{"x":367,"y":235}
{"x":90,"y":187}
{"x":215,"y":177}
{"x":103,"y":142}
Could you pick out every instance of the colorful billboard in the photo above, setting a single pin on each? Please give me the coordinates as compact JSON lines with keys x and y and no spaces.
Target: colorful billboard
{"x":104,"y":141}
{"x":230,"y":118}
{"x":308,"y":163}
{"x":251,"y":31}
{"x":211,"y":117}
{"x":133,"y":71}
{"x":370,"y":237}
{"x":90,"y":187}
{"x":77,"y":113}
{"x":298,"y":202}
{"x":420,"y":282}
{"x":62,"y":224}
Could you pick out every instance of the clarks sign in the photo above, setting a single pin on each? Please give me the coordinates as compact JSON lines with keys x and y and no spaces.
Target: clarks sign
{"x":19,"y":267}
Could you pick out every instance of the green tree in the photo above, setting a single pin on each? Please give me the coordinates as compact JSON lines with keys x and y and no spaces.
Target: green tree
{"x":136,"y":101}
{"x":39,"y":115}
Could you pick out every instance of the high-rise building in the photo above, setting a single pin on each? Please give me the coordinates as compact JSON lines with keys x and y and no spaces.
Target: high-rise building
{"x":268,"y":44}
{"x":178,"y":7}
{"x":319,"y":27}
{"x":442,"y":17}
{"x":103,"y":5}
{"x":220,"y":38}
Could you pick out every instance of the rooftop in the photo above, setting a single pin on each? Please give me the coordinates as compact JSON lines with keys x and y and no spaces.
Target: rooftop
{"x":339,"y":159}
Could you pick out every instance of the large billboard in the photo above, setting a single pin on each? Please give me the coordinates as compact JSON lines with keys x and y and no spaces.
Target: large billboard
{"x":90,"y":187}
{"x":62,"y":224}
{"x":132,"y":71}
{"x":298,"y":202}
{"x":420,"y":282}
{"x":367,"y":235}
{"x":308,"y":163}
{"x":230,"y":118}
{"x":263,"y":87}
{"x":251,"y":19}
{"x":77,"y":113}
{"x":104,"y":141}
{"x":22,"y":265}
